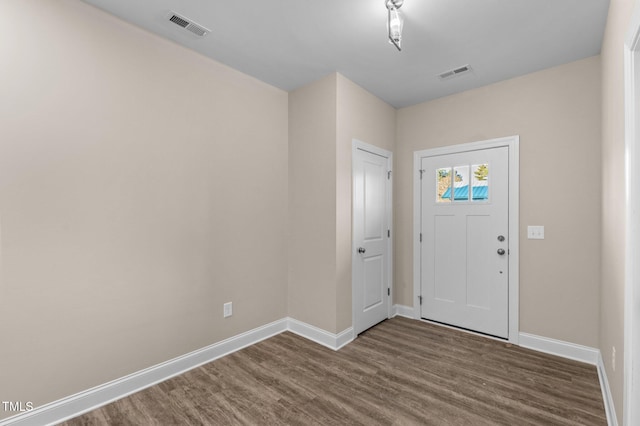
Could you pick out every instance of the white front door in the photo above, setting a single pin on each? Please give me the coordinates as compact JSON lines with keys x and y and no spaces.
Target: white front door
{"x":371,"y":236}
{"x":465,"y":240}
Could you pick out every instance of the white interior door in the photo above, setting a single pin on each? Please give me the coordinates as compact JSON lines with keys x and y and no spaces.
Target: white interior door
{"x":465,"y":240}
{"x":371,"y":236}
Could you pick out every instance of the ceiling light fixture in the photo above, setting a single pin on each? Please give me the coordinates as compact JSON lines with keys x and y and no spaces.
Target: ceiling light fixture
{"x":395,"y":22}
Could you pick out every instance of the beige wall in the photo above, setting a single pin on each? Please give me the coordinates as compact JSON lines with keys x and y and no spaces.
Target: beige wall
{"x":365,"y":117}
{"x":141,"y":187}
{"x":556,"y":112}
{"x":613,"y":197}
{"x":312,"y":204}
{"x":324,"y":118}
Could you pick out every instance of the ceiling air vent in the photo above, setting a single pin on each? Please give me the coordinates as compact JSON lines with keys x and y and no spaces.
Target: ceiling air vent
{"x":454,"y":72}
{"x":188,"y":24}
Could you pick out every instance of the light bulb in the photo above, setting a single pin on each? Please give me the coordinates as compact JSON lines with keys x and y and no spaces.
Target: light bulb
{"x":395,"y":26}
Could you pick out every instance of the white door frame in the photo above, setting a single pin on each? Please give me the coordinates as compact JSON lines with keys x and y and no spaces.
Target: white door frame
{"x":631,"y":410}
{"x":512,"y":142}
{"x":355,"y":146}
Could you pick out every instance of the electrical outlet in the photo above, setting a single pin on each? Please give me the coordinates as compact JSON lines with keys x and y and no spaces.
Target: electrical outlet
{"x":228,"y":309}
{"x":613,"y":358}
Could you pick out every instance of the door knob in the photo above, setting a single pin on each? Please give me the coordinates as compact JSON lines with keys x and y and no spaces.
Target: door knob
{"x":501,"y":251}
{"x":361,"y":250}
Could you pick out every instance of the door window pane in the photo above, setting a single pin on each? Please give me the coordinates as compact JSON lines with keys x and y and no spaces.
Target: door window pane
{"x":480,"y":188}
{"x":461,"y":183}
{"x":443,"y":185}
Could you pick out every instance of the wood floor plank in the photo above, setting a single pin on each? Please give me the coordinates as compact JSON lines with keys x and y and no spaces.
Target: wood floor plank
{"x":401,"y":372}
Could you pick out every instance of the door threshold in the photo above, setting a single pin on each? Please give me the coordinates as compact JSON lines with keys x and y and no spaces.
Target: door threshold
{"x":466,"y":330}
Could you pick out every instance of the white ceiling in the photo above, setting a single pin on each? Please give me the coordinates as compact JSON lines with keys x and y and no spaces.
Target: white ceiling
{"x":290,"y":43}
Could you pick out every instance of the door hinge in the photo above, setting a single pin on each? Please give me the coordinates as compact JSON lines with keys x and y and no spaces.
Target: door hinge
{"x":388,"y":233}
{"x":389,"y":174}
{"x":388,"y":291}
{"x":421,"y":172}
{"x":421,"y":237}
{"x":420,"y":299}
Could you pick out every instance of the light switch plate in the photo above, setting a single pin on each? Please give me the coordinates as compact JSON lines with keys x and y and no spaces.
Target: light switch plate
{"x":535,"y":232}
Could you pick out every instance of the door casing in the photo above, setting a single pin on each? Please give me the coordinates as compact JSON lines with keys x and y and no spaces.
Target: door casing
{"x":631,"y":411}
{"x":359,"y":145}
{"x":512,"y":142}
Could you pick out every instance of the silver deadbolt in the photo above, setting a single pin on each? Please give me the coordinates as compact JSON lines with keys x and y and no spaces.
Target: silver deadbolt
{"x":361,"y":250}
{"x":501,"y":251}
{"x":501,"y":238}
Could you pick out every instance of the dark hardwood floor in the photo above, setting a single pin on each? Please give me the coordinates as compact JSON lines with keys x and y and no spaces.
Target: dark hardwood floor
{"x":401,"y":372}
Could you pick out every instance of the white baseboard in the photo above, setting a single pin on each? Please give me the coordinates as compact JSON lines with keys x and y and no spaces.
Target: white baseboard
{"x":403,"y":311}
{"x":90,"y":399}
{"x":320,"y":336}
{"x":609,"y":407}
{"x":82,"y":402}
{"x":560,"y":348}
{"x":579,"y":353}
